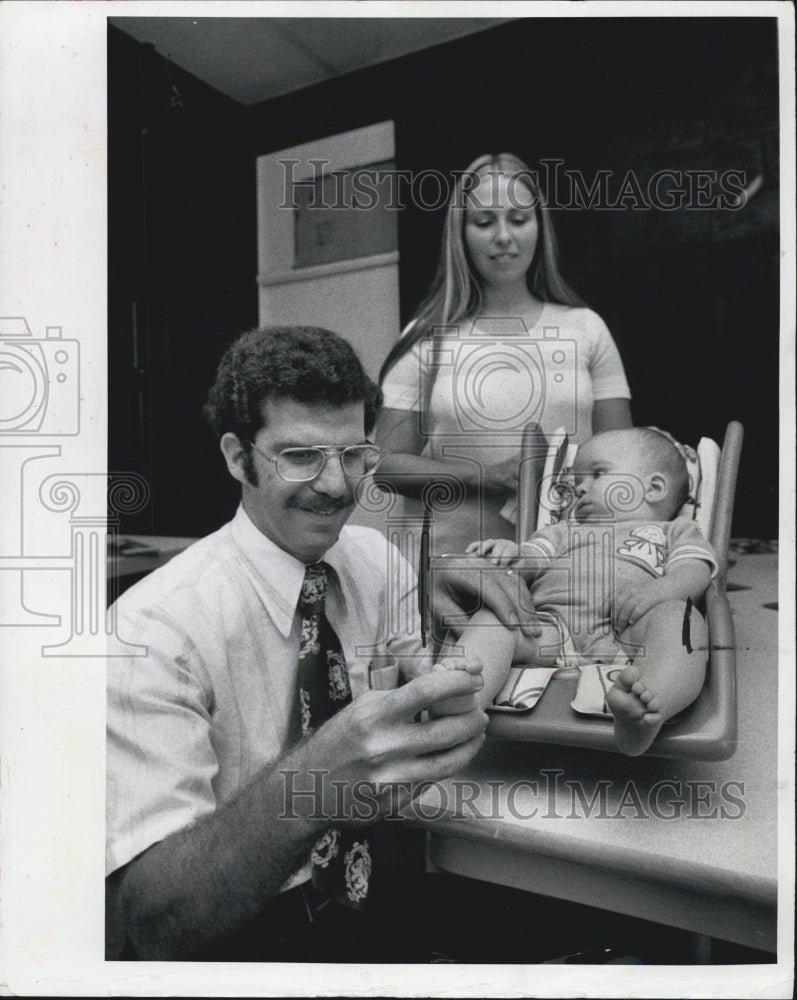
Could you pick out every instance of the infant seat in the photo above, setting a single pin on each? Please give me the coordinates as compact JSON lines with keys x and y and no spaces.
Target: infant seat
{"x":706,"y":730}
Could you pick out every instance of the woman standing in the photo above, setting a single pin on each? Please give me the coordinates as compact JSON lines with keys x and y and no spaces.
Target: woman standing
{"x":499,"y":342}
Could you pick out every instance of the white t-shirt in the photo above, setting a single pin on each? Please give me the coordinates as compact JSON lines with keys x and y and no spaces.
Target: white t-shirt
{"x":477,"y":386}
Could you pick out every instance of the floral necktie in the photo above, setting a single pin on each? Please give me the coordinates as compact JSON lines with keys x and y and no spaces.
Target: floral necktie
{"x":341,"y":859}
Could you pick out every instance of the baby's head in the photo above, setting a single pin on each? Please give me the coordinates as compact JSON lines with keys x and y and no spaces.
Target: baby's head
{"x":629,"y":475}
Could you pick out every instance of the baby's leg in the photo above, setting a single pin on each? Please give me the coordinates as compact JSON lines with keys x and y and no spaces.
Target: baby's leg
{"x":485,"y":645}
{"x":667,"y":675}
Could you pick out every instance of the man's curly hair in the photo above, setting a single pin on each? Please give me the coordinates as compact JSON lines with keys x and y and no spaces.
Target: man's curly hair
{"x":304,"y":363}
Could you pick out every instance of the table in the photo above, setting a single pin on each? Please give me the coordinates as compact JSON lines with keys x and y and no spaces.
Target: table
{"x":607,"y":830}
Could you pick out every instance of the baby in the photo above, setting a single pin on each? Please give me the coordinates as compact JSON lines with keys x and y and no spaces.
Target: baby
{"x":628,"y":484}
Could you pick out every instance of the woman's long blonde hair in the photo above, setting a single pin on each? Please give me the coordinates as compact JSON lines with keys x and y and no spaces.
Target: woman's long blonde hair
{"x":455,"y":293}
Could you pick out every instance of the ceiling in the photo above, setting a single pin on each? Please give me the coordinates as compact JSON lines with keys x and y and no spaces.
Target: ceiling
{"x":252,"y":59}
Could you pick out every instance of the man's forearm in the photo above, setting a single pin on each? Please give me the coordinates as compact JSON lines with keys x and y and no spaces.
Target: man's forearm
{"x":204,"y":883}
{"x":207,"y":881}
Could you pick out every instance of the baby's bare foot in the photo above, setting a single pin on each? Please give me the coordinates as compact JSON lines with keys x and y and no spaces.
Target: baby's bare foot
{"x":466,"y":702}
{"x":636,"y":710}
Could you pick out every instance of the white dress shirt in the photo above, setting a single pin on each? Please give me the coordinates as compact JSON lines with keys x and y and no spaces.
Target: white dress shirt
{"x":213,"y":695}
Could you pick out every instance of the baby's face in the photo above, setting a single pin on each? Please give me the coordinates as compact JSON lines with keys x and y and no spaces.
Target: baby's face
{"x":609,"y":477}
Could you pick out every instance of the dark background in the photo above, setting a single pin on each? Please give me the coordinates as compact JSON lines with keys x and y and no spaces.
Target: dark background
{"x":690,"y":296}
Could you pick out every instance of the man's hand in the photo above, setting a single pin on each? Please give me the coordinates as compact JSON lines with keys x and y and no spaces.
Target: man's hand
{"x":502,"y":591}
{"x":375,"y":741}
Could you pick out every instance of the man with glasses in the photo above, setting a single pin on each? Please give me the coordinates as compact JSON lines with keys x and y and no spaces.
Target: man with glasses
{"x":226,"y":767}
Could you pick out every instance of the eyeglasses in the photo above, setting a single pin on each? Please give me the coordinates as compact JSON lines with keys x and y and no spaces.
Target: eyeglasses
{"x":301,"y":465}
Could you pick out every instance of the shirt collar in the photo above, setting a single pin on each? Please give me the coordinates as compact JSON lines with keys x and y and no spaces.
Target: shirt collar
{"x":279,"y":574}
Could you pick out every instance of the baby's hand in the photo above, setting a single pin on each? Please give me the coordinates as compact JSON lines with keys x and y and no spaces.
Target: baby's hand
{"x":633,"y":601}
{"x":465,"y":703}
{"x":499,"y":550}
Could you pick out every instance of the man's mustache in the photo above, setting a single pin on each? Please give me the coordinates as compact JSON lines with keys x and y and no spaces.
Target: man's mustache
{"x":319,"y":505}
